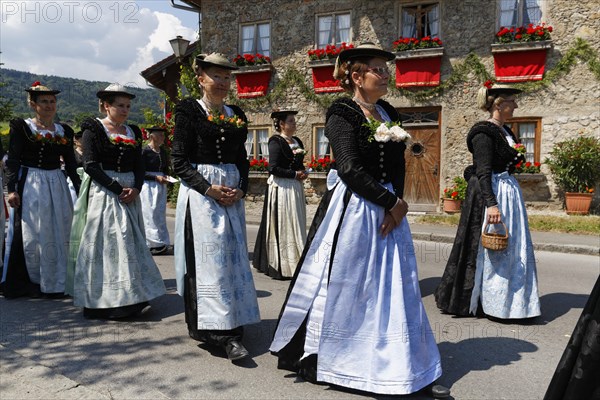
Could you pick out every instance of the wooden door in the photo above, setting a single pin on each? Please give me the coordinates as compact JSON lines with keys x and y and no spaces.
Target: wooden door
{"x":421,"y":186}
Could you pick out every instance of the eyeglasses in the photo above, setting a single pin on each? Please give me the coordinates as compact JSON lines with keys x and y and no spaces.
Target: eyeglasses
{"x":379,"y":71}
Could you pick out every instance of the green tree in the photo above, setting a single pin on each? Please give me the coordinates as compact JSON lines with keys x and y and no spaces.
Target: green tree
{"x":6,"y":106}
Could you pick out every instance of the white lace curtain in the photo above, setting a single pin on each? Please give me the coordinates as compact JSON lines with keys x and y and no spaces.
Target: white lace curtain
{"x":248,"y":145}
{"x":530,"y":12}
{"x":527,"y":135}
{"x":322,"y":143}
{"x":263,"y":141}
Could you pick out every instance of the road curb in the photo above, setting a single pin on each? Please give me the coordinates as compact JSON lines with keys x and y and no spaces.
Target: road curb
{"x":441,"y":238}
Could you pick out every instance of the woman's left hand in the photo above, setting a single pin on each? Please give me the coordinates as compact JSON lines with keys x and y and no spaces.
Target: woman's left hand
{"x":128,"y":195}
{"x":301,"y":175}
{"x":389,"y":223}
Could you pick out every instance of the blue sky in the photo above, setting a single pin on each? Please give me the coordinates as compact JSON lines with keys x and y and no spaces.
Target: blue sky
{"x":105,"y":40}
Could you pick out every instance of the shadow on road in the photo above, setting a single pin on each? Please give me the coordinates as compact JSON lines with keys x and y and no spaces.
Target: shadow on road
{"x":428,"y":285}
{"x":555,"y":305}
{"x":480,"y":354}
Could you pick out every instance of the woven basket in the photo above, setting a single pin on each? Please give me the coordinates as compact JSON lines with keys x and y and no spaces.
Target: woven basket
{"x":494,"y":241}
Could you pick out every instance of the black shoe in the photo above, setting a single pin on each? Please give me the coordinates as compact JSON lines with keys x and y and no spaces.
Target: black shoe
{"x":197,"y":336}
{"x":438,"y":391}
{"x":308,"y":368}
{"x":235,"y":350}
{"x":158,"y":251}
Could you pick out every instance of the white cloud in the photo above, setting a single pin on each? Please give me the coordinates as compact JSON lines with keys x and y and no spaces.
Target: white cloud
{"x":94,"y":40}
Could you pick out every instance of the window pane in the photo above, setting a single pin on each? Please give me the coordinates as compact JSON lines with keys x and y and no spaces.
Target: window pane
{"x":248,"y":39}
{"x":264,"y":39}
{"x":250,"y":144}
{"x":263,"y":146}
{"x":322,"y":143}
{"x":527,"y":135}
{"x":409,"y":24}
{"x":532,"y":13}
{"x":433,"y":18}
{"x":324,"y":33}
{"x":508,"y":13}
{"x":343,"y":29}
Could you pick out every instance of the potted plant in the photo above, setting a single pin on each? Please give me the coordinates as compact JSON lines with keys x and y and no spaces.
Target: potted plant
{"x":575,"y":168}
{"x":418,"y":61}
{"x":453,"y":195}
{"x":322,"y":63}
{"x":254,"y":75}
{"x":520,"y":54}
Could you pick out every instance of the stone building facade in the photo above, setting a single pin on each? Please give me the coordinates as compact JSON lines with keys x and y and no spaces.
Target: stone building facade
{"x":566,"y":107}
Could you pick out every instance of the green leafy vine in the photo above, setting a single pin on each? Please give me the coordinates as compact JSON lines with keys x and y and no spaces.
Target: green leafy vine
{"x":293,"y":79}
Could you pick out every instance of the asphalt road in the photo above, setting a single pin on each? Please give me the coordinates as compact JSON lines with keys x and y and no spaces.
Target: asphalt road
{"x":49,"y":351}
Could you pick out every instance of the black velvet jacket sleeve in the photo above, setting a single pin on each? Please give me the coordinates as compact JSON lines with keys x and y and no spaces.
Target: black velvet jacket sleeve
{"x":362,"y":164}
{"x":100,"y":154}
{"x":282,"y":161}
{"x":28,"y":151}
{"x":197,"y":140}
{"x":491,"y":154}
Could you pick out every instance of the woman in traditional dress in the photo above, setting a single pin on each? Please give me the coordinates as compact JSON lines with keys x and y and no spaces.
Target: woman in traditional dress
{"x":41,"y":209}
{"x":211,"y":254}
{"x":154,"y":192}
{"x":282,"y":232}
{"x":576,"y":376}
{"x":353,"y":316}
{"x":115,"y":275}
{"x":499,"y":283}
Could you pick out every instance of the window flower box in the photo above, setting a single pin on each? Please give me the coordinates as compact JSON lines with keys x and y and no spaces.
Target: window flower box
{"x":253,"y":80}
{"x":322,"y":63}
{"x":418,"y":67}
{"x":322,"y":74}
{"x":257,"y":182}
{"x":520,"y":61}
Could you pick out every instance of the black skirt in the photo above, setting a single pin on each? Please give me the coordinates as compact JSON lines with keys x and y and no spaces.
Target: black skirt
{"x":577,"y":373}
{"x":453,"y":295}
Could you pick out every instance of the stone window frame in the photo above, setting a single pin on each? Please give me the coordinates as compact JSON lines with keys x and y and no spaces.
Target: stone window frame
{"x":256,"y":151}
{"x":418,"y":5}
{"x":315,"y":142}
{"x":515,"y":124}
{"x":521,"y":4}
{"x":332,"y":14}
{"x":255,"y":43}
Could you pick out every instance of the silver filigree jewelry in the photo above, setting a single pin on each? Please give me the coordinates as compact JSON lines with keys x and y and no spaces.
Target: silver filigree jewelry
{"x":368,"y":106}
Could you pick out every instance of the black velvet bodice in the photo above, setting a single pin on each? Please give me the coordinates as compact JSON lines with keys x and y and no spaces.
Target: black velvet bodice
{"x":362,"y":164}
{"x":100,"y":154}
{"x":155,"y":162}
{"x":197,"y":140}
{"x":282,"y":161}
{"x":26,"y":150}
{"x":491,"y":154}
